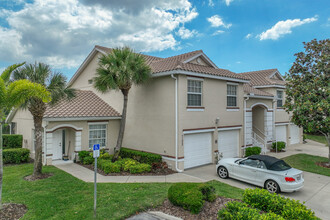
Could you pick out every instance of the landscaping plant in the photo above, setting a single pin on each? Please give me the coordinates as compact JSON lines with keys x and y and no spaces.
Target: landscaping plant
{"x":279,"y":145}
{"x":308,"y":88}
{"x":12,"y":141}
{"x":120,"y":70}
{"x":252,"y":151}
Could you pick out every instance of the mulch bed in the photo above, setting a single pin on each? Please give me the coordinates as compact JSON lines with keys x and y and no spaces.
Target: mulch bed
{"x":208,"y":212}
{"x":12,"y":211}
{"x":43,"y":176}
{"x":323,"y":164}
{"x":154,"y":172}
{"x":278,"y":151}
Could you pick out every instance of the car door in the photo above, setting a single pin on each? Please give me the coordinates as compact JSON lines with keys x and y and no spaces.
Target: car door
{"x":246,"y":170}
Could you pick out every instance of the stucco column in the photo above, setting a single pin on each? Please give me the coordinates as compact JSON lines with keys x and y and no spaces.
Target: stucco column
{"x":49,"y":148}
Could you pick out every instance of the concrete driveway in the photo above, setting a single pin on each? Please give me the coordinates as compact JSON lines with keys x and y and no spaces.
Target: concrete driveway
{"x":316,"y":191}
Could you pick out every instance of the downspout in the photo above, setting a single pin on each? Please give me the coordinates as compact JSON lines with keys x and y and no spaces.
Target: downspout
{"x":176,"y":123}
{"x":244,"y":118}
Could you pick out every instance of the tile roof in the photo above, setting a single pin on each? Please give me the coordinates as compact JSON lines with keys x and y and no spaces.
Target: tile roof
{"x":85,"y":104}
{"x":158,"y":64}
{"x":262,"y":77}
{"x":249,"y":89}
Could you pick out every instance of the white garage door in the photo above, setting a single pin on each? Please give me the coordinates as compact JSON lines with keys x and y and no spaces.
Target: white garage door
{"x":281,"y":133}
{"x":228,"y":143}
{"x":197,"y":149}
{"x":295,"y":134}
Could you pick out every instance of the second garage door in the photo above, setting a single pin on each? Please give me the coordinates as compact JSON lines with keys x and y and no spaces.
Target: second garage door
{"x":197,"y":149}
{"x":228,"y":143}
{"x":295,"y":134}
{"x":281,"y":133}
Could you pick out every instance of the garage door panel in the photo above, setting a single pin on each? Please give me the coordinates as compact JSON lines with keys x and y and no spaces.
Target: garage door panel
{"x":228,"y":143}
{"x":295,"y":134}
{"x":197,"y":149}
{"x":281,"y":133}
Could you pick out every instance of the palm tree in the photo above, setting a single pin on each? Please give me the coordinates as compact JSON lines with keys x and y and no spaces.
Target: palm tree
{"x":55,"y":84}
{"x":14,"y":94}
{"x":119,"y":70}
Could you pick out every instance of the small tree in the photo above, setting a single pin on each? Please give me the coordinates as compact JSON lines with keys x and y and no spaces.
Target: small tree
{"x":308,"y":88}
{"x":14,"y":94}
{"x":119,"y":70}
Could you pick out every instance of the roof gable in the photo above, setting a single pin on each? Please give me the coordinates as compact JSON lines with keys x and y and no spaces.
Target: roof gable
{"x":269,"y":77}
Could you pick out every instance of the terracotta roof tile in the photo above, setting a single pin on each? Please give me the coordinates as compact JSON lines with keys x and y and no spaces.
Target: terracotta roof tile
{"x":85,"y":104}
{"x":249,"y":89}
{"x":262,"y":77}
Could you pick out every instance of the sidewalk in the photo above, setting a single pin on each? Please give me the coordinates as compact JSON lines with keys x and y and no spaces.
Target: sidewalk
{"x":87,"y":175}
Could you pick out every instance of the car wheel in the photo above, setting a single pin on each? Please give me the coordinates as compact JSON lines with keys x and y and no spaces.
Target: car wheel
{"x":272,"y":186}
{"x":223,"y":172}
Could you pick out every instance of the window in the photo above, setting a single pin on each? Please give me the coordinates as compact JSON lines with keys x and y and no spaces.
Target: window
{"x":195,"y":93}
{"x":90,"y":81}
{"x":97,"y":134}
{"x":279,"y":98}
{"x":231,"y":95}
{"x":250,"y":162}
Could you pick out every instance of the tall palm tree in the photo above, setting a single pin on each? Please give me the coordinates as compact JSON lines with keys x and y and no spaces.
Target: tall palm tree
{"x":55,"y":84}
{"x":119,"y":70}
{"x":14,"y":94}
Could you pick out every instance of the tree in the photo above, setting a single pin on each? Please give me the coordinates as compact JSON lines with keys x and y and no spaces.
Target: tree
{"x":119,"y":70}
{"x":14,"y":94}
{"x":55,"y":84}
{"x":308,"y":88}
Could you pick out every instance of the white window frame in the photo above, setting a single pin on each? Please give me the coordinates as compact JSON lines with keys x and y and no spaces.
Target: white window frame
{"x":106,"y":133}
{"x":195,"y":93}
{"x":236,"y":86}
{"x":279,"y":99}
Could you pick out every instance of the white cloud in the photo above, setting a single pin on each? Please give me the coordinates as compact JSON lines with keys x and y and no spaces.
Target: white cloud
{"x":216,"y":21}
{"x":211,"y":3}
{"x":218,"y":32}
{"x":62,"y":32}
{"x":228,"y":2}
{"x":185,"y":33}
{"x":248,"y":36}
{"x":284,"y":27}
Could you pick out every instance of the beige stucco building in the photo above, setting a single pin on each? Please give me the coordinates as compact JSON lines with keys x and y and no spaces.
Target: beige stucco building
{"x":188,"y":112}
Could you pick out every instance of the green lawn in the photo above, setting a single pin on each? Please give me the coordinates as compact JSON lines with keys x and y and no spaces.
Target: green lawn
{"x":307,"y":162}
{"x":62,"y":196}
{"x":318,"y":138}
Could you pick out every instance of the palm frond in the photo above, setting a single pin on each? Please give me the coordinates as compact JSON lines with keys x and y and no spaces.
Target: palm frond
{"x":58,"y":88}
{"x":5,"y":75}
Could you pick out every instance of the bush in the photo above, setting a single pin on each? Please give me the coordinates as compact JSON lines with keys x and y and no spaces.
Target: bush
{"x":16,"y":155}
{"x":105,"y":156}
{"x":140,"y":168}
{"x":83,"y":154}
{"x":287,"y":208}
{"x":109,"y":167}
{"x":252,"y":151}
{"x":280,"y":145}
{"x":191,"y":196}
{"x":88,"y":160}
{"x":12,"y":141}
{"x":142,"y":157}
{"x":127,"y":163}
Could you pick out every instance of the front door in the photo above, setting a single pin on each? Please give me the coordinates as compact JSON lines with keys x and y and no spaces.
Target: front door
{"x":57,"y":145}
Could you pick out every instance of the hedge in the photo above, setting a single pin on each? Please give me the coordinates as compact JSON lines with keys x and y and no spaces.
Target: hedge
{"x":16,"y":155}
{"x":191,"y":196}
{"x":142,"y":157}
{"x":280,"y":145}
{"x":252,"y":151}
{"x":12,"y":141}
{"x":287,"y":208}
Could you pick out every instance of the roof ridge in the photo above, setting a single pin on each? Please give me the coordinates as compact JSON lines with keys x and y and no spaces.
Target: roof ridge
{"x":184,"y":54}
{"x":257,"y":71}
{"x":134,"y":52}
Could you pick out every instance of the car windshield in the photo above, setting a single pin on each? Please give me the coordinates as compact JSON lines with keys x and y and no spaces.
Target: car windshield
{"x":280,"y":166}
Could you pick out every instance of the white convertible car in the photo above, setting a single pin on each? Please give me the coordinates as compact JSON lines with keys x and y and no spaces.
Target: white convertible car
{"x":269,"y":172}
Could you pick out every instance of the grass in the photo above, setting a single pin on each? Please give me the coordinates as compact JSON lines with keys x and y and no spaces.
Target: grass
{"x":318,"y":138}
{"x":307,"y":162}
{"x":63,"y":196}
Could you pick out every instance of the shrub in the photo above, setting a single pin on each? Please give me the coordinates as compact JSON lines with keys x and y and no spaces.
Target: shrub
{"x":190,"y":196}
{"x":83,"y":154}
{"x":88,"y":160}
{"x":287,"y":208}
{"x":12,"y":141}
{"x":280,"y":145}
{"x":16,"y":155}
{"x":109,"y":167}
{"x":105,"y":156}
{"x":142,"y":157}
{"x":127,"y":163}
{"x":140,"y":168}
{"x":252,"y":151}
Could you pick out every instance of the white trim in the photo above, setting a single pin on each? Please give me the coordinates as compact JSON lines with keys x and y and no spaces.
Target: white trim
{"x":279,"y":74}
{"x":195,"y":109}
{"x":269,"y":86}
{"x":280,"y":109}
{"x":199,"y":131}
{"x":231,"y":83}
{"x":64,"y":125}
{"x":259,"y":103}
{"x":280,"y":124}
{"x":204,"y":56}
{"x":195,"y":78}
{"x":11,"y":115}
{"x":230,"y":128}
{"x":250,"y":109}
{"x":98,"y":123}
{"x":183,"y":72}
{"x":81,"y":118}
{"x":172,"y":159}
{"x":233,"y":110}
{"x":260,"y":97}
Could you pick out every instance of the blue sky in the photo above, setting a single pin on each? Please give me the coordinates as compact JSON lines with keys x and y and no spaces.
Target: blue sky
{"x":239,"y":35}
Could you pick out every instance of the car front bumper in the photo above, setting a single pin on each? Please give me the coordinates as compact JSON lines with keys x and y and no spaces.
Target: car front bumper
{"x":292,"y":187}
